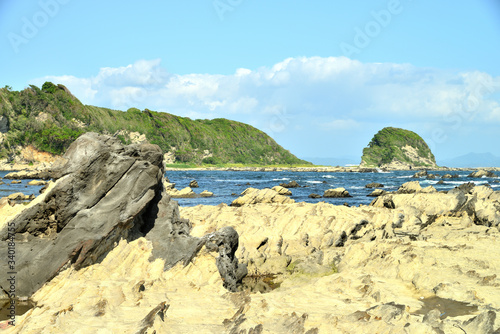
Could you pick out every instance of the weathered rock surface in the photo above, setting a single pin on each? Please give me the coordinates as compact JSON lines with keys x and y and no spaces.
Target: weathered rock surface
{"x":183,"y":193}
{"x":409,"y":187}
{"x":336,"y":193}
{"x":282,"y":190}
{"x":193,"y":184}
{"x":374,"y":185}
{"x":314,"y":195}
{"x":104,"y":192}
{"x":37,"y":183}
{"x":482,"y":173}
{"x":29,"y":174}
{"x":291,"y":184}
{"x":206,"y":193}
{"x":254,"y":196}
{"x":423,"y":266}
{"x":377,"y":192}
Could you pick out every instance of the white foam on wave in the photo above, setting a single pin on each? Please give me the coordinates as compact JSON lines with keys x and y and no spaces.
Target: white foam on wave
{"x":404,"y":177}
{"x":282,"y":179}
{"x":328,"y":176}
{"x":314,"y":181}
{"x":382,"y":172}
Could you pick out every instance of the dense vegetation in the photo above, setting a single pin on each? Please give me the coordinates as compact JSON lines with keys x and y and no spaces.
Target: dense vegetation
{"x":388,"y":144}
{"x":51,"y":118}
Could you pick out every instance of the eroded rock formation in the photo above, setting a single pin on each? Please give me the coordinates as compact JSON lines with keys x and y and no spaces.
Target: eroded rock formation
{"x":104,"y":192}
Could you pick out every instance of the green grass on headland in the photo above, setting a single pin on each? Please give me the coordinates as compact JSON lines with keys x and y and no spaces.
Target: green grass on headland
{"x":51,"y":118}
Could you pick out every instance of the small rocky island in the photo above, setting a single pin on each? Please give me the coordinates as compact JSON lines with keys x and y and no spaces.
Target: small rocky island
{"x":395,"y":148}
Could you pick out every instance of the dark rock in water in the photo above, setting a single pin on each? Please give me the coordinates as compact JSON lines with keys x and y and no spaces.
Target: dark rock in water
{"x":368,"y":170}
{"x":420,"y":174}
{"x":374,"y":185}
{"x":291,"y":184}
{"x":193,"y":184}
{"x":336,"y":193}
{"x":104,"y":192}
{"x":440,"y":182}
{"x":446,"y":176}
{"x":313,"y":195}
{"x":482,"y":173}
{"x":431,"y":176}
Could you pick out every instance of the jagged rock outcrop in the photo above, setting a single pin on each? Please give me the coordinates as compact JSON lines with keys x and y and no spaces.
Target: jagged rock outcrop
{"x":282,"y":190}
{"x":376,"y":193}
{"x":254,"y":196}
{"x":482,"y":173}
{"x":104,"y":192}
{"x":291,"y":184}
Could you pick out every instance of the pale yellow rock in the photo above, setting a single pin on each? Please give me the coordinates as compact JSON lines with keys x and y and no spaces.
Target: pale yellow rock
{"x":410,"y":187}
{"x":282,"y":190}
{"x":8,"y":212}
{"x":337,"y":192}
{"x":206,"y":193}
{"x":183,"y":193}
{"x":387,"y":260}
{"x":255,"y":196}
{"x":37,"y":183}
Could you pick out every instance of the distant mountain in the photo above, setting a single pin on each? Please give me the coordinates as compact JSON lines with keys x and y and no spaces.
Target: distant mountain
{"x":472,"y":160}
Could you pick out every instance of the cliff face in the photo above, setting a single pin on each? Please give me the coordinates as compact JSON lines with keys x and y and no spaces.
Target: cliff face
{"x":396,"y":148}
{"x":51,"y":118}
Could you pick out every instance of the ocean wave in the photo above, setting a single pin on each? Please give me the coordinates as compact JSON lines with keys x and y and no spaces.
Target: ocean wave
{"x":328,"y":176}
{"x":314,"y":182}
{"x":282,"y":179}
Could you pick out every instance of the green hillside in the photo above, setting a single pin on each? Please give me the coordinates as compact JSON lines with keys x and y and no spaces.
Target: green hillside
{"x":392,"y":145}
{"x":51,"y":118}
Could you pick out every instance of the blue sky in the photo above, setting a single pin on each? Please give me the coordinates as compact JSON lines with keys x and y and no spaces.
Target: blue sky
{"x":321,"y":77}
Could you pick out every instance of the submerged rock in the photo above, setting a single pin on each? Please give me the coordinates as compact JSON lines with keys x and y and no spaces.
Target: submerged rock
{"x":291,"y":184}
{"x":374,"y":185}
{"x":336,"y":193}
{"x":482,"y":173}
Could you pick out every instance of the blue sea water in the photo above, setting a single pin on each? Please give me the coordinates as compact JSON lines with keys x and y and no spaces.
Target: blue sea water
{"x":7,"y":188}
{"x":224,"y":183}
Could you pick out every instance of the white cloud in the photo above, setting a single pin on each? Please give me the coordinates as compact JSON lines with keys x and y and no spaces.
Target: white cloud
{"x":340,"y":124}
{"x":300,"y":96}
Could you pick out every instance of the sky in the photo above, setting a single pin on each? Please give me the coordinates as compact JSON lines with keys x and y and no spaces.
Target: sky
{"x":320,"y":77}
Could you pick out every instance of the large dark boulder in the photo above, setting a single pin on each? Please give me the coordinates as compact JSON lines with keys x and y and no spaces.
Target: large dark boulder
{"x":104,"y":192}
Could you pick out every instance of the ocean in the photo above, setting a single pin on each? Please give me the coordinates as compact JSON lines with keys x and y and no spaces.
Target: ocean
{"x":226,"y":183}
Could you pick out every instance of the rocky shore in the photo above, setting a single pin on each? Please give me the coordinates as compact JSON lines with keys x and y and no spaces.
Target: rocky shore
{"x":105,"y":250}
{"x":326,"y":169}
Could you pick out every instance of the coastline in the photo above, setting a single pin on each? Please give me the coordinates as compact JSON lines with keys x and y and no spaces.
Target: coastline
{"x":42,"y":166}
{"x":327,"y":169}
